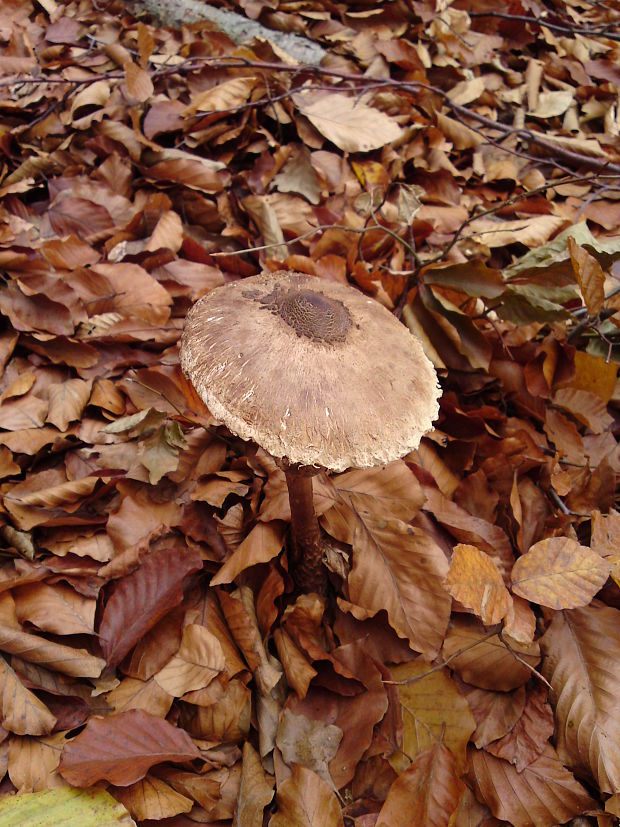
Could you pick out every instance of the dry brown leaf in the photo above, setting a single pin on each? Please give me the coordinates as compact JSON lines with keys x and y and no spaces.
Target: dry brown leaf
{"x":199,"y":660}
{"x":467,"y":91}
{"x":23,"y":413}
{"x":475,"y":581}
{"x":136,"y":294}
{"x":593,"y":374}
{"x":579,"y":661}
{"x":255,"y":791}
{"x":152,"y":798}
{"x":487,"y":664}
{"x":67,"y":401}
{"x":587,"y":408}
{"x":30,"y":502}
{"x":168,"y":233}
{"x":560,"y":573}
{"x":391,"y":489}
{"x":263,"y":543}
{"x":66,"y":659}
{"x":19,"y":386}
{"x":527,"y":740}
{"x":33,"y":762}
{"x":543,"y":795}
{"x":533,"y":232}
{"x":310,"y":744}
{"x":400,"y":570}
{"x":296,"y":666}
{"x":305,"y":800}
{"x":552,"y":104}
{"x":495,"y":713}
{"x":347,"y":122}
{"x":132,"y":693}
{"x":22,"y":712}
{"x":426,"y":794}
{"x":57,"y":609}
{"x":225,"y":96}
{"x":589,"y":275}
{"x":228,"y":719}
{"x":122,"y":748}
{"x":458,"y":133}
{"x":139,"y":84}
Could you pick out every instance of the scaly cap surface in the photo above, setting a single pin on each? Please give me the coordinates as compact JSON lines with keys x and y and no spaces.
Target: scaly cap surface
{"x":312,"y":371}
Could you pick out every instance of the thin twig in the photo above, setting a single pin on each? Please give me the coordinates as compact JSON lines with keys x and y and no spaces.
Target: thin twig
{"x":495,"y":632}
{"x":518,"y":657}
{"x":554,"y":27}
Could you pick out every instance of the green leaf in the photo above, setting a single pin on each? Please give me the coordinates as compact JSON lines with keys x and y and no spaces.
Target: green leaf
{"x":473,"y":278}
{"x":556,"y":252}
{"x":140,"y":422}
{"x":65,"y":807}
{"x":526,"y":303}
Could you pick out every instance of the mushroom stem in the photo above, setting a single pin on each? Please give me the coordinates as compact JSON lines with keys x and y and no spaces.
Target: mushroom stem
{"x":308,"y":570}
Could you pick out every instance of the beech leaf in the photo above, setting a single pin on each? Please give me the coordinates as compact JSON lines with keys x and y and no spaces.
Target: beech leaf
{"x":305,"y":800}
{"x":426,"y":794}
{"x":143,"y":597}
{"x":544,"y":794}
{"x":347,"y":122}
{"x":583,"y":675}
{"x":122,"y":748}
{"x":559,"y":573}
{"x":475,"y":581}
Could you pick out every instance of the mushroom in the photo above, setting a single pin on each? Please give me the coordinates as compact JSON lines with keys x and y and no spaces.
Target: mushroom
{"x":317,"y":374}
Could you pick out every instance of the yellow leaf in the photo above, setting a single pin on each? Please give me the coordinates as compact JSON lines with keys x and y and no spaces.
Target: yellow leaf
{"x":88,"y":808}
{"x":594,"y":375}
{"x":434,"y":711}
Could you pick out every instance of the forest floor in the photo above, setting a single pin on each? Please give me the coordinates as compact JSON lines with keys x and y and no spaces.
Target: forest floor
{"x":459,"y":162}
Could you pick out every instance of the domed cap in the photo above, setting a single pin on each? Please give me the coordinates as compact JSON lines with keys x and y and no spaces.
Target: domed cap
{"x":313,"y":371}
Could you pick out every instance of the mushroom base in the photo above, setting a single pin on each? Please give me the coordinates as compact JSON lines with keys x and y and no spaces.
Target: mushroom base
{"x":308,"y":570}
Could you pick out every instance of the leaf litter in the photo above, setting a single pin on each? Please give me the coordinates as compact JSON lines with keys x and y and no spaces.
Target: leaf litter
{"x":460,"y":164}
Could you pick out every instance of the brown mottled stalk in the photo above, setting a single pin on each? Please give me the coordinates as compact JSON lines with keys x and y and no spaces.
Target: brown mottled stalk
{"x":307,"y":567}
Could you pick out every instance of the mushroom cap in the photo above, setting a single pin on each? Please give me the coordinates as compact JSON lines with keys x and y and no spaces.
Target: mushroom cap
{"x":313,"y":371}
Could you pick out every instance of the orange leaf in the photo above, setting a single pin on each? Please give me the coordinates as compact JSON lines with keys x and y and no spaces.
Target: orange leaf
{"x":475,"y":581}
{"x":589,"y":275}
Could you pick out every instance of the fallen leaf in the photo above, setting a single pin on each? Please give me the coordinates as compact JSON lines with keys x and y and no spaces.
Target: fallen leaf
{"x":577,"y":663}
{"x":348,"y":122}
{"x":255,"y":792}
{"x":559,"y":573}
{"x":475,"y":581}
{"x":199,"y":660}
{"x":544,"y":794}
{"x":122,"y":748}
{"x":310,"y":744}
{"x":424,"y":795}
{"x":144,"y":597}
{"x":305,"y":800}
{"x":434,"y":712}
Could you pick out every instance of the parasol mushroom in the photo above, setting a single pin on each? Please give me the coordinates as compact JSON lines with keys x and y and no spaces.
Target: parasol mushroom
{"x":317,"y":374}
